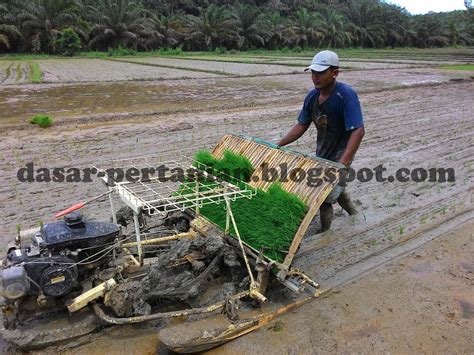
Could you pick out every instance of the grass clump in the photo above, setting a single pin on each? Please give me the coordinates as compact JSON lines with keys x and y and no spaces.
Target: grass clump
{"x":169,"y":51}
{"x":121,"y":52}
{"x":43,"y":121}
{"x":268,"y":220}
{"x":35,"y":73}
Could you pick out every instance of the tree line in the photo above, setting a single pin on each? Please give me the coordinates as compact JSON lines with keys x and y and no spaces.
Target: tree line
{"x":69,"y":26}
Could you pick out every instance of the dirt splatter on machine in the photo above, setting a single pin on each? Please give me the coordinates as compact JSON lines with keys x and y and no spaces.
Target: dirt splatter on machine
{"x":171,"y":262}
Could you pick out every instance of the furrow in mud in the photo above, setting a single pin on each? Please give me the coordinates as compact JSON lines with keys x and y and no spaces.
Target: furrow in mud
{"x":325,"y":263}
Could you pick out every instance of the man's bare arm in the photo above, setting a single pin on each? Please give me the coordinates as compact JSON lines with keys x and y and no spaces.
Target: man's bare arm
{"x":295,"y":132}
{"x":352,"y":145}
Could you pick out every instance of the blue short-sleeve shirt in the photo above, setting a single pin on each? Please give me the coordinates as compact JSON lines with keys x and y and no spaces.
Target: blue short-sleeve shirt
{"x":335,"y":119}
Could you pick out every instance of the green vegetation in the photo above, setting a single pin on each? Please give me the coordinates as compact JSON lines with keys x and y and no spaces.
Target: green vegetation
{"x":459,"y":67}
{"x":36,"y":26}
{"x":35,"y":75}
{"x":69,"y":42}
{"x":268,"y":220}
{"x":18,"y":72}
{"x":264,"y":55}
{"x":121,"y":52}
{"x":43,"y":121}
{"x":233,"y":165}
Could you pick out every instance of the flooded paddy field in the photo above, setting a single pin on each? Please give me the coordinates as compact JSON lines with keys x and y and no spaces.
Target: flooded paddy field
{"x":99,"y":101}
{"x":414,"y":117}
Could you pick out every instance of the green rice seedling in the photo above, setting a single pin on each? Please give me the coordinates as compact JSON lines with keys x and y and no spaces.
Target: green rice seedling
{"x":231,"y":164}
{"x":43,"y":121}
{"x":268,"y":221}
{"x":35,"y":75}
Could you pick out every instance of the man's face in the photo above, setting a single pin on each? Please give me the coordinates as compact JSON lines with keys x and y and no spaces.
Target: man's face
{"x":325,"y":78}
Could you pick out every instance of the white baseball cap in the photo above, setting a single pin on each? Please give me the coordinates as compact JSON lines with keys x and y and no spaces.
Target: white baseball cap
{"x":324,"y":60}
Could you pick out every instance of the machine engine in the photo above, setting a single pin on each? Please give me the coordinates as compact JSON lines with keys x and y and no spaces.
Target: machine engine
{"x":59,"y":257}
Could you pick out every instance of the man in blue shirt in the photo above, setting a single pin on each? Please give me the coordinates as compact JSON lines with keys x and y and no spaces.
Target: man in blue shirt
{"x":335,"y":110}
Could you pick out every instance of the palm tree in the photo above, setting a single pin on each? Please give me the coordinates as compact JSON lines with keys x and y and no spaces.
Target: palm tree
{"x":120,"y":23}
{"x":210,"y":30}
{"x":276,"y":28}
{"x":34,"y":25}
{"x":468,"y":32}
{"x":366,"y":25}
{"x":250,"y":32}
{"x":9,"y":32}
{"x":430,"y":31}
{"x":167,"y":30}
{"x":335,"y":29}
{"x":307,"y":28}
{"x":396,"y":25}
{"x":42,"y":20}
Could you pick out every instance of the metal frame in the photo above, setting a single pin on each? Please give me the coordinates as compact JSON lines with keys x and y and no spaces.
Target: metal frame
{"x":157,"y":194}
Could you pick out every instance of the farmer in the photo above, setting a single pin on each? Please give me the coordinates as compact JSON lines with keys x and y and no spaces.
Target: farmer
{"x":335,"y":110}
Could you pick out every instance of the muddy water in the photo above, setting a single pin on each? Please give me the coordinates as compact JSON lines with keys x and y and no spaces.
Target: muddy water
{"x":103,"y":100}
{"x":21,"y":102}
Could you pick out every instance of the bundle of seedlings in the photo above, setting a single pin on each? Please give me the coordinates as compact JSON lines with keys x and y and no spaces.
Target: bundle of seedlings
{"x":268,"y":221}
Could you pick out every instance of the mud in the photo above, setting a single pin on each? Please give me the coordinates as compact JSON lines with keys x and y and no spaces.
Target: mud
{"x":240,"y":69}
{"x":27,"y":203}
{"x":105,"y":104}
{"x":80,"y":70}
{"x":14,"y":72}
{"x":41,"y":334}
{"x":410,"y":123}
{"x":181,"y":274}
{"x":391,"y":309}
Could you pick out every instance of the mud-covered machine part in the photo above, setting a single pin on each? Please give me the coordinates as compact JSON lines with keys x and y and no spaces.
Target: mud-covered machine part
{"x":58,"y":257}
{"x":75,"y":262}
